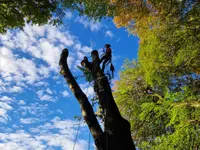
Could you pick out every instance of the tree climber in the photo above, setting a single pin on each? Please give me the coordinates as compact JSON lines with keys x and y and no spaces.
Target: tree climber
{"x":107,"y":56}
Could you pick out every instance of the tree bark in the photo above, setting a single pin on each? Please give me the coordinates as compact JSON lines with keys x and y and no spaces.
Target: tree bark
{"x":116,"y":134}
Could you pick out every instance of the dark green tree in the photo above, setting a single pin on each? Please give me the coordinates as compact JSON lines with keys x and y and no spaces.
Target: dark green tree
{"x":15,"y":13}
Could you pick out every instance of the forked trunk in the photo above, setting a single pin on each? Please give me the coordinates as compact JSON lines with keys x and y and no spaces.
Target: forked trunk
{"x":116,"y":134}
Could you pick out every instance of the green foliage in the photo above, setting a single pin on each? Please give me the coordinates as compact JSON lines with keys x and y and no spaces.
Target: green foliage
{"x":86,"y":73}
{"x":137,"y":15}
{"x":161,"y":116}
{"x":94,"y":9}
{"x":14,"y":13}
{"x":169,"y":53}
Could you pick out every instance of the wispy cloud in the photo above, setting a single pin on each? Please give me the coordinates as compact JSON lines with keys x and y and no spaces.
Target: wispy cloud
{"x":28,"y":120}
{"x":47,"y":98}
{"x":87,"y":89}
{"x":109,"y":33}
{"x":22,"y":102}
{"x":5,"y":107}
{"x":91,"y":24}
{"x":68,"y":15}
{"x":65,"y":94}
{"x":45,"y":95}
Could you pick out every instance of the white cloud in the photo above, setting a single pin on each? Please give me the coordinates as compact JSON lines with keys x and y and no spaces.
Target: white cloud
{"x":21,"y":141}
{"x":34,"y":109}
{"x":44,"y":95}
{"x":7,"y":62}
{"x":38,"y":30}
{"x":44,"y":71}
{"x":77,"y":46}
{"x":35,"y":130}
{"x":22,"y":102}
{"x":41,"y":83}
{"x":5,"y":107}
{"x":5,"y":98}
{"x":3,"y":114}
{"x":17,"y":70}
{"x":87,"y":89}
{"x":68,"y":14}
{"x":47,"y":98}
{"x":15,"y":89}
{"x":28,"y":120}
{"x":109,"y":34}
{"x":80,"y":55}
{"x":40,"y":93}
{"x":91,"y":24}
{"x":59,"y":111}
{"x":49,"y":91}
{"x":86,"y":49}
{"x":65,"y":94}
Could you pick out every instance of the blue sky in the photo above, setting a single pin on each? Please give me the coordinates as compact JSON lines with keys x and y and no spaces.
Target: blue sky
{"x":37,"y":108}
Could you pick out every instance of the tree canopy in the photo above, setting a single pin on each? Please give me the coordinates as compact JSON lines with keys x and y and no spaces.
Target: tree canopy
{"x":159,"y":93}
{"x":15,"y":13}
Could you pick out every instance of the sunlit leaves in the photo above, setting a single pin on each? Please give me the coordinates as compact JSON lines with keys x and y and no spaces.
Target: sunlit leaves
{"x":162,"y":116}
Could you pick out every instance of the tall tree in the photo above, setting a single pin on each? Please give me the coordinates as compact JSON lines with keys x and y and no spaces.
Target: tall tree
{"x":162,"y":116}
{"x":116,"y":134}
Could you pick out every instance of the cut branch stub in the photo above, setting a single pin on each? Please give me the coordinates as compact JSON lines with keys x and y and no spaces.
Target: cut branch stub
{"x":63,"y":58}
{"x":85,"y":63}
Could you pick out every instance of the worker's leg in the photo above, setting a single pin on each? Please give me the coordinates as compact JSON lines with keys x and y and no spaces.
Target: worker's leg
{"x":104,"y":63}
{"x":104,"y":57}
{"x":109,"y":61}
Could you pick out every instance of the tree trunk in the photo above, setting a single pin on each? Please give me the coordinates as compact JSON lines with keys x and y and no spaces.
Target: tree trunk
{"x":116,"y":134}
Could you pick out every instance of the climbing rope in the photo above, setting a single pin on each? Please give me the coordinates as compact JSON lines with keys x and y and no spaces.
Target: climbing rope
{"x":76,"y":137}
{"x":106,"y":119}
{"x":78,"y":128}
{"x":89,"y":142}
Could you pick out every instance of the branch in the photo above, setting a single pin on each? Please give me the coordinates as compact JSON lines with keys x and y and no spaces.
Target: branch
{"x":86,"y":107}
{"x":195,"y":104}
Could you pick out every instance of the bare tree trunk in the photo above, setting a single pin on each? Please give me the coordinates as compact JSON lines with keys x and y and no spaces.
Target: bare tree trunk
{"x":116,"y":134}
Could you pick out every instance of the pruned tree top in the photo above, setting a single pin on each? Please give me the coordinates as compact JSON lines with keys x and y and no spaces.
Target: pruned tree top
{"x":116,"y":134}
